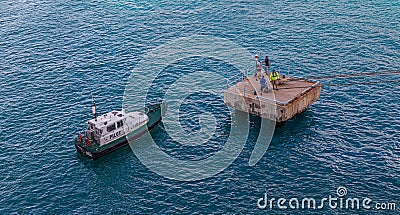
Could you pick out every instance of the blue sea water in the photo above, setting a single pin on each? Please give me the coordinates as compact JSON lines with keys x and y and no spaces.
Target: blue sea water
{"x":55,"y":54}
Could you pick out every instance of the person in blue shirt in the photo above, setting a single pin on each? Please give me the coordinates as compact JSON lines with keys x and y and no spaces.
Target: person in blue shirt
{"x":263,"y":84}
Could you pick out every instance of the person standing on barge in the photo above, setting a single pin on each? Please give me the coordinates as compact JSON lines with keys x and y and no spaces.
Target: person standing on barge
{"x":267,"y":64}
{"x":274,"y":77}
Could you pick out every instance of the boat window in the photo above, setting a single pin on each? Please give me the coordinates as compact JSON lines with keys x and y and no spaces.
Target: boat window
{"x":120,"y":123}
{"x":90,"y":126}
{"x":99,"y":131}
{"x":111,"y":128}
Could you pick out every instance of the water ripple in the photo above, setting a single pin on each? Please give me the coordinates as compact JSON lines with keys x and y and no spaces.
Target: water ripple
{"x":55,"y":54}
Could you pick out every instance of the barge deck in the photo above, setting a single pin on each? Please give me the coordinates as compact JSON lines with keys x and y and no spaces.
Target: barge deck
{"x":294,"y":95}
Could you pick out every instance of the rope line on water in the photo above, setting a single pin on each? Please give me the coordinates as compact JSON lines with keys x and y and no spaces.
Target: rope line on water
{"x":346,"y":84}
{"x":363,"y":83}
{"x":381,"y":73}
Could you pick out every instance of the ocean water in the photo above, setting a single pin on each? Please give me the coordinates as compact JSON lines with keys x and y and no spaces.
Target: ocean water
{"x":55,"y":54}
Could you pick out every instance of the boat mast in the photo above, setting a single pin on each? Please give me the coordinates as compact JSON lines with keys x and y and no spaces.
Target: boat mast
{"x":94,"y":109}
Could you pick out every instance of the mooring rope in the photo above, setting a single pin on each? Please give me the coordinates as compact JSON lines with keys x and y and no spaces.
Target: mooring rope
{"x":360,"y":74}
{"x":381,"y":73}
{"x":346,"y":84}
{"x":363,"y":83}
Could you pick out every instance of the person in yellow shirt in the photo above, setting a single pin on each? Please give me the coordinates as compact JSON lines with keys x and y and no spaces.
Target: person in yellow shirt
{"x":274,"y":77}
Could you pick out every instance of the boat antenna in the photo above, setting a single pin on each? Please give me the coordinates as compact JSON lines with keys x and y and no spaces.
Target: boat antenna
{"x":94,"y":109}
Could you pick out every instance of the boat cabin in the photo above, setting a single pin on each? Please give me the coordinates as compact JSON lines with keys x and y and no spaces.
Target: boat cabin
{"x":114,"y":125}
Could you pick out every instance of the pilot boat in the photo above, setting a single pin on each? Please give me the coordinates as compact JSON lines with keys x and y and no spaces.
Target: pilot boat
{"x":111,"y":131}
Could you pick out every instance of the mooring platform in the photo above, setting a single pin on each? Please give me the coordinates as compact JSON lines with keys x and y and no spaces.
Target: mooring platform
{"x":294,"y":95}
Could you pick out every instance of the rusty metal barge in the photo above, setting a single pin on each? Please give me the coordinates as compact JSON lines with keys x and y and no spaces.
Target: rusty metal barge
{"x":294,"y":95}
